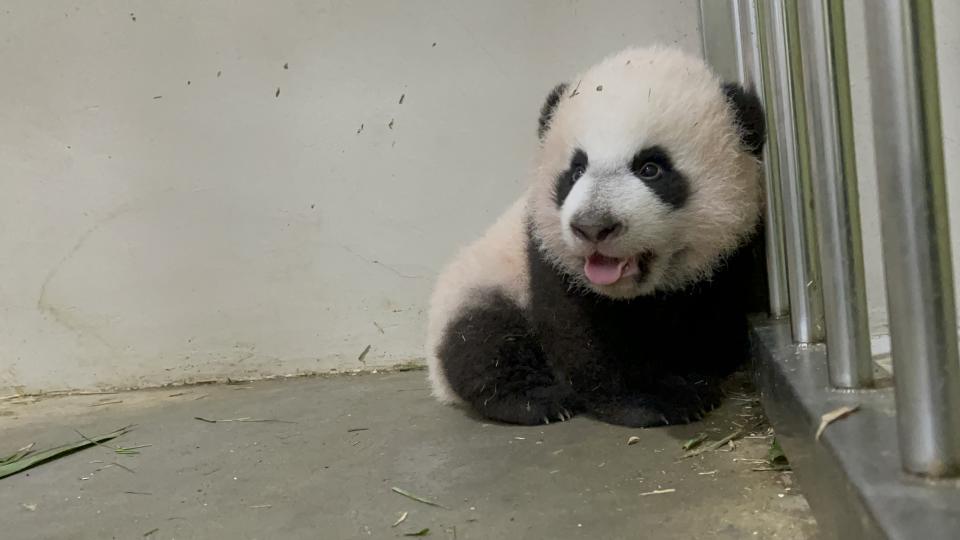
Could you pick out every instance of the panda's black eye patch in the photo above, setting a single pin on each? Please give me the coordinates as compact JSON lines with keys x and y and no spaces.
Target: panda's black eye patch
{"x":655,"y":168}
{"x":566,"y":179}
{"x":578,"y":164}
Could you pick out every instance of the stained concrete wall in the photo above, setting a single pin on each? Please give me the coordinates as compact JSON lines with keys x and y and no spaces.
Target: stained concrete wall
{"x":166,"y":215}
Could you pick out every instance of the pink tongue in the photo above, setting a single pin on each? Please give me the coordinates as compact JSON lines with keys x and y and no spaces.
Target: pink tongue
{"x":602,"y":270}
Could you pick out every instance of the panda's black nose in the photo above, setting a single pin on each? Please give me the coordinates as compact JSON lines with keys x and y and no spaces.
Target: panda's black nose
{"x":596,"y":231}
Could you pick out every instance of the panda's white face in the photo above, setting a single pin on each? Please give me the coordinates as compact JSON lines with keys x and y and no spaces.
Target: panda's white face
{"x":617,"y":224}
{"x":643,"y":183}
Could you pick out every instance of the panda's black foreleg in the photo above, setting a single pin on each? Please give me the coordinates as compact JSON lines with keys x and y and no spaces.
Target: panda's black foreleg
{"x":669,"y":400}
{"x":493,"y":362}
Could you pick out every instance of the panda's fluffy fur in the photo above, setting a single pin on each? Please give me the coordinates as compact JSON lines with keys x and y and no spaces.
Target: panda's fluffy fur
{"x":615,"y":285}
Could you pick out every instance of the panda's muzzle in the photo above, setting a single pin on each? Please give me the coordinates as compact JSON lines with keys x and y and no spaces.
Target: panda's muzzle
{"x":596,"y":230}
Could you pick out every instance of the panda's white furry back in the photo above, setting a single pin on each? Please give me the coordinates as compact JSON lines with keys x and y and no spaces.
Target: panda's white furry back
{"x":615,"y":285}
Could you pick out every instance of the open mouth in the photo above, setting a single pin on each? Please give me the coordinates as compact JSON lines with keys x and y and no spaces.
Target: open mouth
{"x":604,"y":270}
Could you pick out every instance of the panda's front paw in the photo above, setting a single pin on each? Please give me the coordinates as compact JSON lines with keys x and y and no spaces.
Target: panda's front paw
{"x":642,"y":411}
{"x":673,"y":399}
{"x":553,"y":404}
{"x":539,"y":405}
{"x":701,"y":392}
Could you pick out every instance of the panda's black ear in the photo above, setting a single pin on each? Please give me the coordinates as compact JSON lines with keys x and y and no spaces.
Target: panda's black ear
{"x":749,"y":114}
{"x":546,"y":112}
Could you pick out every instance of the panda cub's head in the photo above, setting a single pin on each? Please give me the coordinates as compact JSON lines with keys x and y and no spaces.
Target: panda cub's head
{"x":648,"y":173}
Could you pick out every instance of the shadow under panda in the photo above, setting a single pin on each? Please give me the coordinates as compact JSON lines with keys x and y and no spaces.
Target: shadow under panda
{"x":617,"y":285}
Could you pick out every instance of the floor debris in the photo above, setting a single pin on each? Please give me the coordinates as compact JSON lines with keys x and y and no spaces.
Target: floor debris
{"x":401,"y":519}
{"x":833,"y":416}
{"x":244,"y":419}
{"x":776,"y":457}
{"x":658,"y":492}
{"x":407,"y":494}
{"x":26,"y":458}
{"x":111,"y":402}
{"x":728,"y":440}
{"x":690,"y":444}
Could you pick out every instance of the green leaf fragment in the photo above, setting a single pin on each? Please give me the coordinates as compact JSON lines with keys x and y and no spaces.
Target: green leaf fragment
{"x":775,"y":455}
{"x":24,"y":458}
{"x":694,"y":442}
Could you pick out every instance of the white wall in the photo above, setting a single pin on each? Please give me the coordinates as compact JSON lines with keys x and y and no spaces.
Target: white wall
{"x":221,"y":231}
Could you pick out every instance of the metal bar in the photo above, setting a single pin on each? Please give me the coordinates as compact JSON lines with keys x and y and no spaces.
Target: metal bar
{"x":731,"y":45}
{"x":760,"y":74}
{"x":803,"y":269}
{"x":916,"y":255}
{"x":836,"y":197}
{"x":739,"y":36}
{"x":719,"y":39}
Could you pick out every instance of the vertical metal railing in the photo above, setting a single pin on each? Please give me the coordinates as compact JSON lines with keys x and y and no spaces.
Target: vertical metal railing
{"x":916,"y":254}
{"x":752,"y":71}
{"x":834,"y":166}
{"x":795,"y":54}
{"x":779,"y":26}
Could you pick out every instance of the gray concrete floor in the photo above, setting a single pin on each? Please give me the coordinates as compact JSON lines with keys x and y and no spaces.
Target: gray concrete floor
{"x":315,"y":478}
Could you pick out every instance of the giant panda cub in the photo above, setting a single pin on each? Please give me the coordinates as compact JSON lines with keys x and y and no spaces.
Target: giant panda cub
{"x":615,"y":286}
